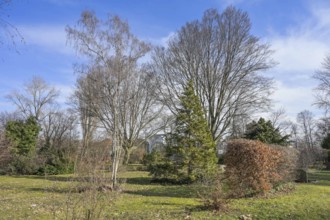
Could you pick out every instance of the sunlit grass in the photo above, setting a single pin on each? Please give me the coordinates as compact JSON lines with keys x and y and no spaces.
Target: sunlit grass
{"x":31,"y":197}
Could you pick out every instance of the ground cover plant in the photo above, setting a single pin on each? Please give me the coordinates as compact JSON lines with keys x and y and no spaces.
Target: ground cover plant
{"x":33,"y":197}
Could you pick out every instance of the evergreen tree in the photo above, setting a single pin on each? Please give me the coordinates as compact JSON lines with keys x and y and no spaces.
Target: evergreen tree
{"x":265,"y":132}
{"x":191,"y":146}
{"x":23,"y":135}
{"x":325,"y":144}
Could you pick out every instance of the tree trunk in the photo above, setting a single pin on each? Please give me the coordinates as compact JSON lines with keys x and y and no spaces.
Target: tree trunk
{"x":127,"y":154}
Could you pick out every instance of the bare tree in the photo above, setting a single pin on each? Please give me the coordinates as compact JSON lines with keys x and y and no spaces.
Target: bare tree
{"x":323,"y":89}
{"x":34,"y":99}
{"x":5,"y":145}
{"x":322,"y":129}
{"x":58,"y":127}
{"x":239,"y":122}
{"x":223,"y":59}
{"x":59,"y":138}
{"x":306,"y":135}
{"x":277,"y":116}
{"x":307,"y":125}
{"x":83,"y":106}
{"x":294,"y":134}
{"x":121,"y":96}
{"x":279,"y":121}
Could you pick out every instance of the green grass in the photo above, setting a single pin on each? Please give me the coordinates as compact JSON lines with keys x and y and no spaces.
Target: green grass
{"x":319,"y":176}
{"x":31,"y":197}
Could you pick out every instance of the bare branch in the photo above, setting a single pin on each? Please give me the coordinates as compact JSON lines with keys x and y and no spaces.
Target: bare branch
{"x":35,"y":97}
{"x":223,"y":60}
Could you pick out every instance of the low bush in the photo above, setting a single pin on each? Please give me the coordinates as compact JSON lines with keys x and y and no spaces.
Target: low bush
{"x":213,"y":193}
{"x":160,"y":168}
{"x":287,"y":166}
{"x":23,"y":165}
{"x":137,"y":155}
{"x":253,"y":167}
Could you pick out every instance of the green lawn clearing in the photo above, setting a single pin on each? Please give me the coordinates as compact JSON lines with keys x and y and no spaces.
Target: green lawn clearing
{"x":33,"y":197}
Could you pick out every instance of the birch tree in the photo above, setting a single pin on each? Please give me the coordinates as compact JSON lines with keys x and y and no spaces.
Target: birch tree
{"x":121,"y":96}
{"x":224,"y":60}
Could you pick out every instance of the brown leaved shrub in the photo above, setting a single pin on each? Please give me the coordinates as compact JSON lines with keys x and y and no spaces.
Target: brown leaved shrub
{"x":252,"y":167}
{"x":288,"y":163}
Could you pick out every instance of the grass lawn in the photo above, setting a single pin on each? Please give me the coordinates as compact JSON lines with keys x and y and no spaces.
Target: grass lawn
{"x":32,"y":197}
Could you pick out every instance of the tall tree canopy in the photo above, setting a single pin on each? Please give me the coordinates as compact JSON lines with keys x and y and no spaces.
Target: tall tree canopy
{"x":223,"y":60}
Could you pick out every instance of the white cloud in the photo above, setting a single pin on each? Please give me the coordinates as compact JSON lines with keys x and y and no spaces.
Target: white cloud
{"x":65,"y":92}
{"x":5,"y":105}
{"x":52,"y":38}
{"x":300,"y":52}
{"x":163,"y":41}
{"x":293,"y":98}
{"x":303,"y":47}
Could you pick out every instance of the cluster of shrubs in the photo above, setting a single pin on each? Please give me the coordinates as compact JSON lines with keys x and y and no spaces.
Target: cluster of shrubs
{"x":251,"y":168}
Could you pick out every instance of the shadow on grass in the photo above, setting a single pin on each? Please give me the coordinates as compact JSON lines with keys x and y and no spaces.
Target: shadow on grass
{"x":179,"y":191}
{"x":138,"y":180}
{"x":52,"y":190}
{"x":51,"y":178}
{"x":318,"y":182}
{"x":66,"y":178}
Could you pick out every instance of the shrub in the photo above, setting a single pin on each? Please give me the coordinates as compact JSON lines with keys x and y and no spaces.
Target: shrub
{"x":49,"y":169}
{"x":160,"y":168}
{"x":212,"y":192}
{"x":287,"y":166}
{"x":137,"y":155}
{"x":252,"y":167}
{"x":25,"y":165}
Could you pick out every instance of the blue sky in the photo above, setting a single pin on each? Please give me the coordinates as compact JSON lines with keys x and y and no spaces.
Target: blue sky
{"x":298,"y":31}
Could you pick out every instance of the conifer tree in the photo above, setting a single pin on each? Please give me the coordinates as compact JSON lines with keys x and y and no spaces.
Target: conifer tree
{"x":191,"y":146}
{"x":265,"y":132}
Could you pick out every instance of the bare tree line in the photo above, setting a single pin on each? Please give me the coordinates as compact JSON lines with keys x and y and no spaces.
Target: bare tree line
{"x":217,"y":53}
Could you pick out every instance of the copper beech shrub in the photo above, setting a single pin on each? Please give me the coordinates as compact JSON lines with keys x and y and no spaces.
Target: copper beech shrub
{"x":253,"y":167}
